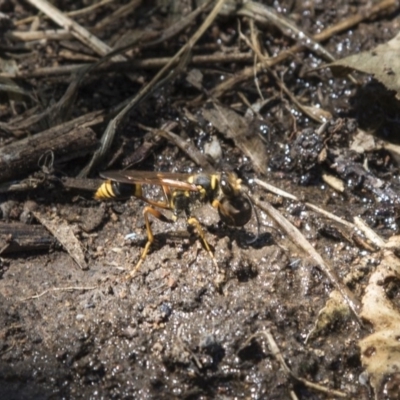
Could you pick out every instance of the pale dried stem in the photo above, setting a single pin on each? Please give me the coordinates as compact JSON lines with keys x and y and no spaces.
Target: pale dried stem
{"x":75,"y":13}
{"x":76,"y":30}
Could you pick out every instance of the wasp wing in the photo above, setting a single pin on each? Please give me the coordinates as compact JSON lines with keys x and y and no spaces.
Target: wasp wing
{"x":171,"y":179}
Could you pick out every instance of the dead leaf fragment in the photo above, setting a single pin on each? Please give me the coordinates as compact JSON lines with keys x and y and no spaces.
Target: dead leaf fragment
{"x":380,"y":351}
{"x":335,"y":309}
{"x":235,"y":127}
{"x":383,"y":62}
{"x":63,"y":232}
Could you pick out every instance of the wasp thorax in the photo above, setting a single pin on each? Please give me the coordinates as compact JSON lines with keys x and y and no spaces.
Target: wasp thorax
{"x":180,"y":201}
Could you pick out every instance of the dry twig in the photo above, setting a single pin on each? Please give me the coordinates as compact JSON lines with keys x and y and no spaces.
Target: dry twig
{"x":160,"y":78}
{"x":248,"y":72}
{"x":76,"y":30}
{"x":298,"y":238}
{"x":59,"y":289}
{"x":274,"y":348}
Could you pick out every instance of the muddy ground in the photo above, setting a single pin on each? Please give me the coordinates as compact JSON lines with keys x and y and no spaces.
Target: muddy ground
{"x":171,"y":331}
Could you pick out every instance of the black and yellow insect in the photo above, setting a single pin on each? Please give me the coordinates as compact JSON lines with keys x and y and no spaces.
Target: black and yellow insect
{"x":182,"y":194}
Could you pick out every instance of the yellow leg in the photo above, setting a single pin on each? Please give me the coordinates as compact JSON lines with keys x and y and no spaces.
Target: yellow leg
{"x":150,"y":237}
{"x":220,"y":274}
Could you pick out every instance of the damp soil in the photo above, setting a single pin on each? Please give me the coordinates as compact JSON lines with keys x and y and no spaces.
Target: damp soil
{"x":171,"y":331}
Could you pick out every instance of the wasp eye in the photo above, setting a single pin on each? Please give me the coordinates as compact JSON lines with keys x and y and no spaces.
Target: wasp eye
{"x":226,"y":186}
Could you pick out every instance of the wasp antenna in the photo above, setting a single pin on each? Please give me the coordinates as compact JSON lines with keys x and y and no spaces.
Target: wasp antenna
{"x":257,"y":218}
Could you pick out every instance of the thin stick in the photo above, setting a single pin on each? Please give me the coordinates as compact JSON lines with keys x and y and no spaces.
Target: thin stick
{"x":264,"y":13}
{"x":76,"y":30}
{"x":121,"y":11}
{"x":298,"y":238}
{"x":158,"y":80}
{"x":75,"y":13}
{"x":126,"y":66}
{"x":59,"y":289}
{"x":290,"y":196}
{"x":248,"y":72}
{"x":273,"y":346}
{"x":48,"y":34}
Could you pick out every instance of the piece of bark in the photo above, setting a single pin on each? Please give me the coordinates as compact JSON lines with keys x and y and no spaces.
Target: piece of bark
{"x":22,"y":157}
{"x":18,"y":237}
{"x":150,"y":144}
{"x":90,"y":185}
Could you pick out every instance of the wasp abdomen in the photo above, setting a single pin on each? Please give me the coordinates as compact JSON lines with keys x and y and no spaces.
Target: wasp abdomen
{"x":117,"y":190}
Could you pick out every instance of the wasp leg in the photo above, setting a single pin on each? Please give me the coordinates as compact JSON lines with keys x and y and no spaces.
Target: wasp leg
{"x":150,"y":237}
{"x":220,"y":274}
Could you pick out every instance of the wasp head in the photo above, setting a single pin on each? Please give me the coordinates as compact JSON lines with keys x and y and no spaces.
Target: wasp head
{"x":234,"y":207}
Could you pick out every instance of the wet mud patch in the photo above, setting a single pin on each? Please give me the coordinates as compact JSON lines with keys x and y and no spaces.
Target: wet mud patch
{"x":170,"y":332}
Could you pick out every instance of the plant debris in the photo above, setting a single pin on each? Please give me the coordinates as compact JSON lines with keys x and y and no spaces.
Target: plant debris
{"x":308,"y":305}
